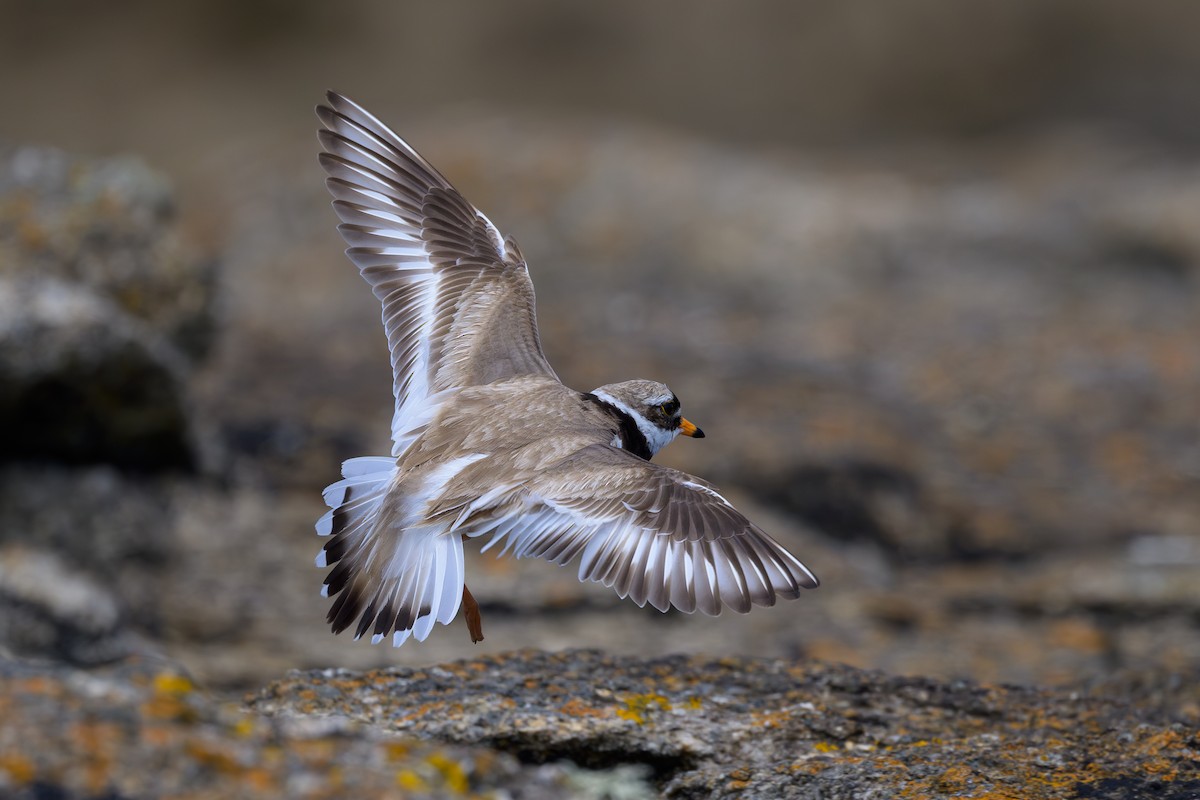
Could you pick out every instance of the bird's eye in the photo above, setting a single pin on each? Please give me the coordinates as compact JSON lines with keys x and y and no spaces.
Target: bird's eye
{"x":670,"y":407}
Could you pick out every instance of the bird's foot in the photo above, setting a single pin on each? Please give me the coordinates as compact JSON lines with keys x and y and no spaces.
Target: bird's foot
{"x":471,"y":614}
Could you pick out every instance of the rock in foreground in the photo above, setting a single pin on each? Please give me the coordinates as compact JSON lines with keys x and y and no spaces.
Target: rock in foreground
{"x":143,"y":730}
{"x":761,"y":728}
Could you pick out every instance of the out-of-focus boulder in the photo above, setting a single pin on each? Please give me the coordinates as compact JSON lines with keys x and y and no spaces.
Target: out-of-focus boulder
{"x":102,"y":312}
{"x":49,"y":610}
{"x":107,"y":224}
{"x":83,"y":382}
{"x":94,"y":518}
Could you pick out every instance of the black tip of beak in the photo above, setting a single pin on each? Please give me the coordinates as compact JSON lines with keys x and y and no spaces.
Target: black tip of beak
{"x":699,"y":434}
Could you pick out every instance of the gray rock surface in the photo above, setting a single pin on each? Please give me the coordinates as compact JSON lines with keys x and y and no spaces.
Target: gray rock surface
{"x":758,"y":728}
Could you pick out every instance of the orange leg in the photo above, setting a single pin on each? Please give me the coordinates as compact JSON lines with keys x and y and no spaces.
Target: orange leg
{"x":471,"y":614}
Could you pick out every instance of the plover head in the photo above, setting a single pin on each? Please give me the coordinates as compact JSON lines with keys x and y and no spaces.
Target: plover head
{"x":654,"y":409}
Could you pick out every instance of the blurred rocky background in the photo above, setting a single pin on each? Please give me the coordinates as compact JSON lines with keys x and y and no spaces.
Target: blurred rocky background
{"x":927,"y":275}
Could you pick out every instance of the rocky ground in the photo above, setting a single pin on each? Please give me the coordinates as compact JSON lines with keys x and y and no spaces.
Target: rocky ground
{"x":961,"y":388}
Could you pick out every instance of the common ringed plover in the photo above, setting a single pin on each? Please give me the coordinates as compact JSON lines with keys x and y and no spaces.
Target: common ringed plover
{"x":486,"y":441}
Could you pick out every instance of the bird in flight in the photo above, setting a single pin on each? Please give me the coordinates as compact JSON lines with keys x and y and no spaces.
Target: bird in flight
{"x":488,"y":442}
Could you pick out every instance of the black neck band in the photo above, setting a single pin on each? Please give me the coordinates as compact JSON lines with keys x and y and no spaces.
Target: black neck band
{"x":632,"y":438}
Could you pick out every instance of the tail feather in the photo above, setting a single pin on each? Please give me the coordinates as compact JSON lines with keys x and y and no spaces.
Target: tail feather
{"x":385,"y":578}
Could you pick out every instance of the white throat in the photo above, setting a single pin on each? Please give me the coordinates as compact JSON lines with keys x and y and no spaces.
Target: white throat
{"x":656,"y":438}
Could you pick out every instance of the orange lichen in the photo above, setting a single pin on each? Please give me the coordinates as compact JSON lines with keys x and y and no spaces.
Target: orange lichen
{"x":770,"y":719}
{"x":955,"y":780}
{"x":397,"y":750}
{"x":170,"y":705}
{"x":638,"y":706}
{"x":19,"y":768}
{"x":577,"y":708}
{"x":315,"y":751}
{"x":213,"y":756}
{"x":420,"y":711}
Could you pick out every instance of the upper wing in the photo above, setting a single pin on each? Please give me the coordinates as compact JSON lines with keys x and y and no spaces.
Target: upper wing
{"x":652,"y":533}
{"x":458,"y":304}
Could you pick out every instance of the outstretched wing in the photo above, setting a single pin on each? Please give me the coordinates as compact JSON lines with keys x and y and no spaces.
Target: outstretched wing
{"x":458,"y":305}
{"x":652,"y":533}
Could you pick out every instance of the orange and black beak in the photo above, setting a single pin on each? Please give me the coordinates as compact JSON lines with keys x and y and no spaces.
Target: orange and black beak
{"x":689,"y":429}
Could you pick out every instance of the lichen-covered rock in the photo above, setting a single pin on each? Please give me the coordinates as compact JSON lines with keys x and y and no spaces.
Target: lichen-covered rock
{"x":736,"y":727}
{"x":142,"y":729}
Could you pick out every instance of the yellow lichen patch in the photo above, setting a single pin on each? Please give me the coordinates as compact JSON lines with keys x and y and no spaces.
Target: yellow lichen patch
{"x":244,"y":728}
{"x":169,"y":699}
{"x":171,"y":683}
{"x":637,"y":706}
{"x":770,"y":719}
{"x":410,"y":781}
{"x":826,"y":747}
{"x":694,"y":703}
{"x":454,"y":777}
